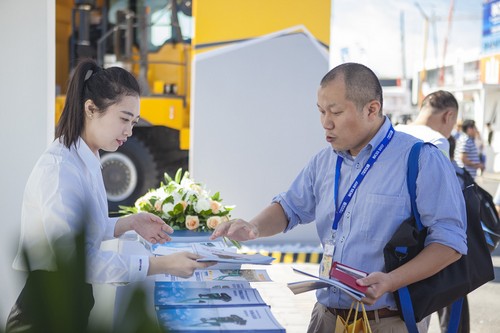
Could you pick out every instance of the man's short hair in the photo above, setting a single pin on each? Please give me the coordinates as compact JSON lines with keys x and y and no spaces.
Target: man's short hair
{"x":361,"y":83}
{"x":439,"y":101}
{"x":468,"y":123}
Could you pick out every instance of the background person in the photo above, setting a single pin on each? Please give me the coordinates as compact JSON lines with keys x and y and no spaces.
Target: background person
{"x":350,"y":106}
{"x":467,"y":154}
{"x":435,"y":121}
{"x":65,"y":192}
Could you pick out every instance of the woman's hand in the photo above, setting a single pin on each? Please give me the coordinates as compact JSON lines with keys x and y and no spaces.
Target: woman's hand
{"x":149,"y":226}
{"x":182,"y":264}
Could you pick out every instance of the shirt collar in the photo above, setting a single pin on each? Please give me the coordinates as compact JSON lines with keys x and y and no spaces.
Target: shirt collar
{"x":91,"y":161}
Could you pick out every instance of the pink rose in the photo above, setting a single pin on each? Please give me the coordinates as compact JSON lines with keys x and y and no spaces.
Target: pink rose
{"x":158,"y":205}
{"x":213,"y":222}
{"x":215,"y":206}
{"x":192,"y":222}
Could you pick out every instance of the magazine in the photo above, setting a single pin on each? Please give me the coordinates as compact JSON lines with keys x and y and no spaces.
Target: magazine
{"x":250,"y":275}
{"x":345,"y":284}
{"x":168,"y":297}
{"x":219,"y":319}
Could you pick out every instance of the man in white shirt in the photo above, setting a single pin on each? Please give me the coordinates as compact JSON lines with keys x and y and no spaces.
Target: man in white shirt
{"x":434,"y":124}
{"x":435,"y":121}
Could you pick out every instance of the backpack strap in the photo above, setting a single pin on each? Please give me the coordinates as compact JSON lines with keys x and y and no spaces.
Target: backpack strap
{"x":411,"y":182}
{"x":404,"y":294}
{"x":456,"y":312}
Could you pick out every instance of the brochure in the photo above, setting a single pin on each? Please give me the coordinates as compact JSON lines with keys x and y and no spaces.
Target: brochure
{"x":250,"y":275}
{"x":204,"y":284}
{"x":224,"y":256}
{"x":204,"y":249}
{"x":219,"y":319}
{"x":166,"y":297}
{"x":319,"y":282}
{"x":172,"y":247}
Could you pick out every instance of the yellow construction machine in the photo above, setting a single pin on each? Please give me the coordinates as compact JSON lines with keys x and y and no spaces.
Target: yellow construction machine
{"x":157,"y":40}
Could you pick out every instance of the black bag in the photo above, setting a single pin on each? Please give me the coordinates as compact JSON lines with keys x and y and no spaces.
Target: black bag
{"x":488,"y":216}
{"x":453,"y":282}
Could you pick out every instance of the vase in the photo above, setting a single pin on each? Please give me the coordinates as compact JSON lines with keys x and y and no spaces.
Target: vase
{"x":188,"y":236}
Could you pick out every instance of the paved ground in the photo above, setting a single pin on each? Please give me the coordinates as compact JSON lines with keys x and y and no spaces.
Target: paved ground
{"x":293,"y":311}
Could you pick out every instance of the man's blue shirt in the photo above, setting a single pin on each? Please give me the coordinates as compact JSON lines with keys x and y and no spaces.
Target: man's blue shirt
{"x":379,"y":205}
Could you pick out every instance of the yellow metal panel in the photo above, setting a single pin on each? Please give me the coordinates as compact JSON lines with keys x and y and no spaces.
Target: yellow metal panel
{"x":184,"y":139}
{"x":163,"y":111}
{"x":219,"y":21}
{"x":60,"y":100}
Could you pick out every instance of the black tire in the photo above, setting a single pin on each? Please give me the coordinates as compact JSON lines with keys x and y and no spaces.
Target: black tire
{"x":128,"y":173}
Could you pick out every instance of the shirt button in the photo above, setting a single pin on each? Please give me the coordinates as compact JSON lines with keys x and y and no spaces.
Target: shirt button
{"x":357,"y":165}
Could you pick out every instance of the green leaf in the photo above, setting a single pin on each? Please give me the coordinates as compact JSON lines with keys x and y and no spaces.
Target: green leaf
{"x":178,"y":176}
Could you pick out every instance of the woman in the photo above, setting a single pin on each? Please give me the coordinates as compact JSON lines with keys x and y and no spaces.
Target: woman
{"x":65,"y":193}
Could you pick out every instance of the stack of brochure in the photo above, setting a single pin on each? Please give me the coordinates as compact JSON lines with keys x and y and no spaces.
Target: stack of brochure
{"x":216,"y":299}
{"x":211,"y":305}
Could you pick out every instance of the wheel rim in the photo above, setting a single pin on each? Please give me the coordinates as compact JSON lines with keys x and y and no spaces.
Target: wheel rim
{"x":120,"y":176}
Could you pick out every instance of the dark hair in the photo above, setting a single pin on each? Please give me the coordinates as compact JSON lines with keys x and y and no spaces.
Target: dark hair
{"x":468,"y":123}
{"x":453,"y":143}
{"x":361,"y":83}
{"x":104,"y":87}
{"x":440,"y":100}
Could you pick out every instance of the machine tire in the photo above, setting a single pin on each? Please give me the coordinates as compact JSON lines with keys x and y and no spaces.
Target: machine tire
{"x":128,"y":173}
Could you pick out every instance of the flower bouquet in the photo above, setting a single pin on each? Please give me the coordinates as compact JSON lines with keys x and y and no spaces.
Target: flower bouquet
{"x":183,"y":204}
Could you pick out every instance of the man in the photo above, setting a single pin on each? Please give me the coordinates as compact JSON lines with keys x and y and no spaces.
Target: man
{"x":350,"y":106}
{"x":435,"y":122}
{"x":467,"y":155}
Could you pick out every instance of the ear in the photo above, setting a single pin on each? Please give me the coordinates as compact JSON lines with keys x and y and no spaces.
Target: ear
{"x":373,"y":108}
{"x":89,"y":108}
{"x":448,"y":116}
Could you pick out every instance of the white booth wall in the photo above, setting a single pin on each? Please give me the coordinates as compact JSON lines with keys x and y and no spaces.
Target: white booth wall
{"x":255,"y":123}
{"x":27,"y":76}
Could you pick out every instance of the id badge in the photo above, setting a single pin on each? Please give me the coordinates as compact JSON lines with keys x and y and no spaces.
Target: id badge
{"x":326,"y":261}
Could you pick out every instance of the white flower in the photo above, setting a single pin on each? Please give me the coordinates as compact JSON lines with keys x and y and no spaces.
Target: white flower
{"x":167,"y":207}
{"x":201,"y":205}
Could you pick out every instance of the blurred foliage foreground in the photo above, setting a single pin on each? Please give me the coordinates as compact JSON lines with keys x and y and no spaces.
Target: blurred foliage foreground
{"x":56,"y":302}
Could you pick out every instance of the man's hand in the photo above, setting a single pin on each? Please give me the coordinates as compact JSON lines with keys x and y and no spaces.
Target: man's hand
{"x":378,"y":284}
{"x":238,"y":230}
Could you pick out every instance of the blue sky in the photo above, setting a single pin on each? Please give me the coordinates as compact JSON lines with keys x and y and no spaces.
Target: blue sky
{"x":368,"y":31}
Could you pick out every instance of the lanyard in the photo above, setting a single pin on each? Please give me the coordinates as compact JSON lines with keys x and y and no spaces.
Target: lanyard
{"x":347,"y":198}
